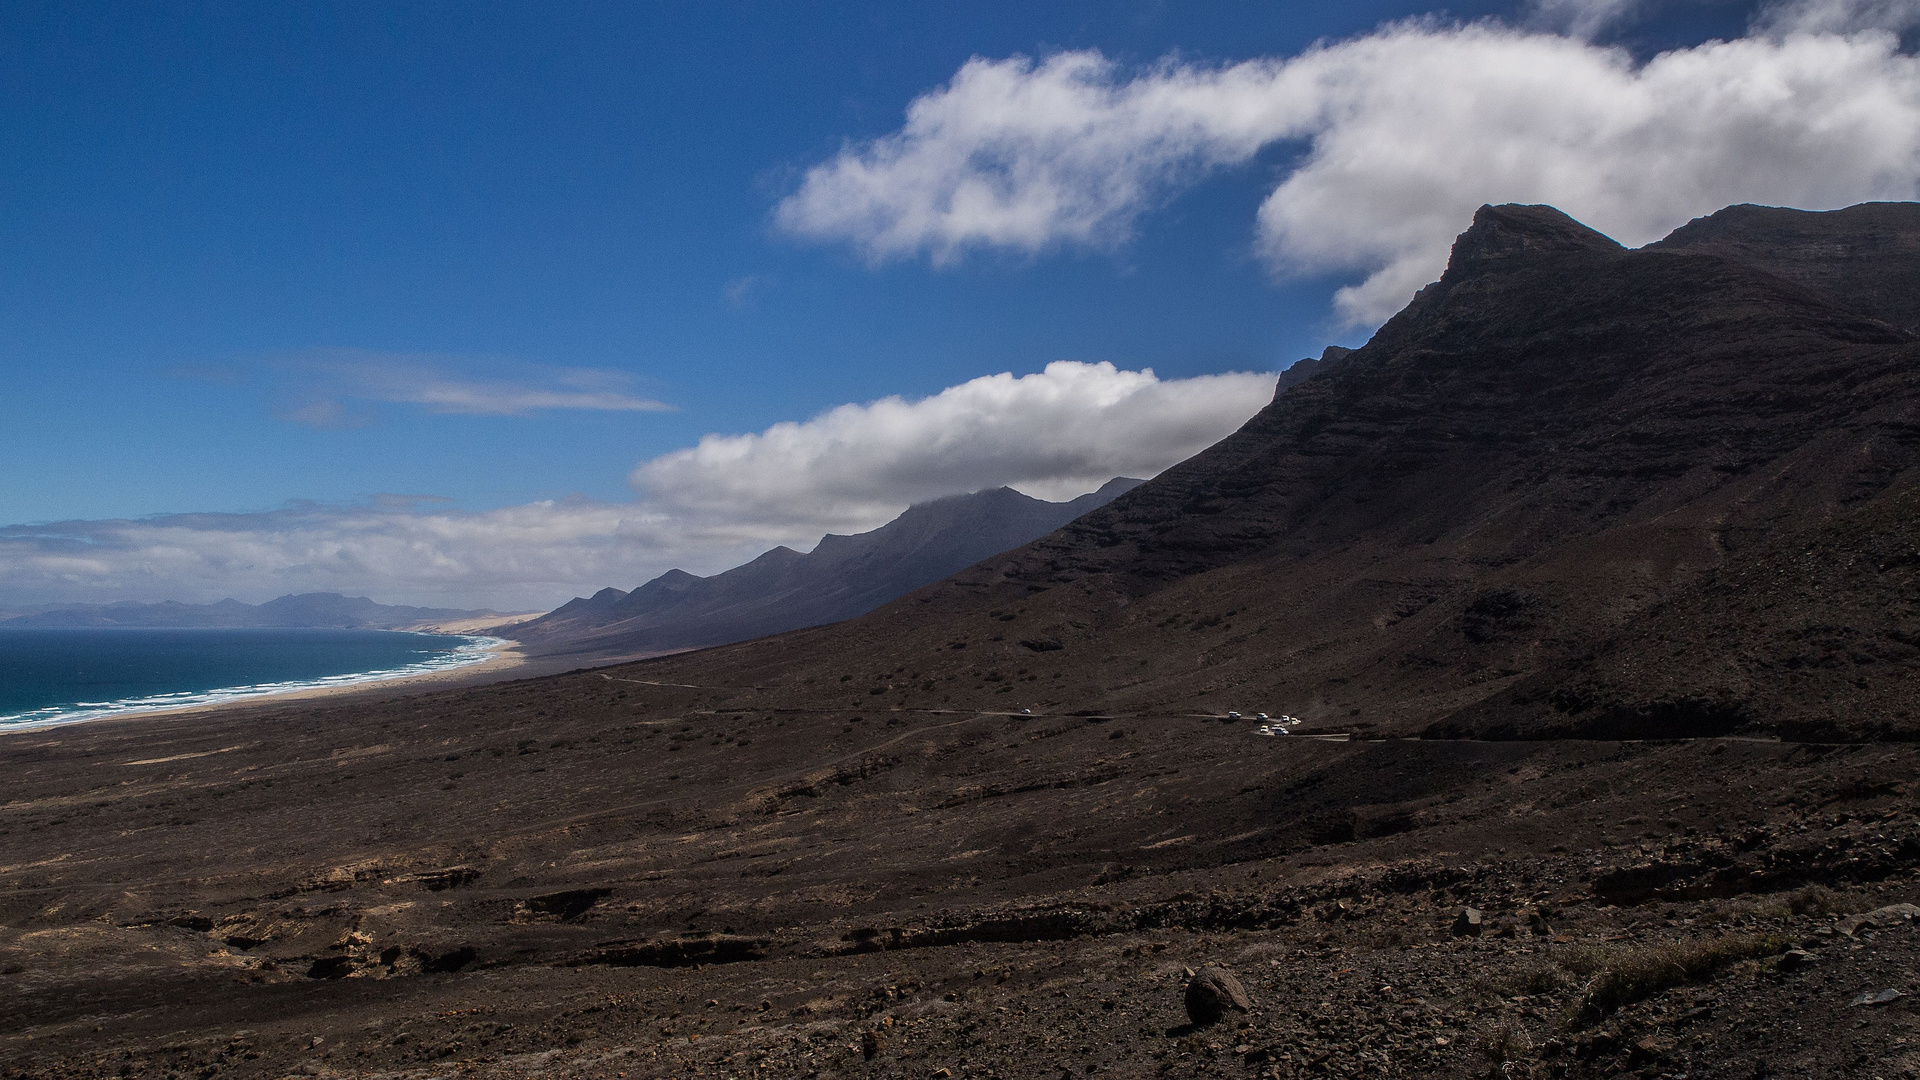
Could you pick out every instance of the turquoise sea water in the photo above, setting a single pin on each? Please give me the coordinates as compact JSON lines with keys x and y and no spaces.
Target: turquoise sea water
{"x":50,"y":676}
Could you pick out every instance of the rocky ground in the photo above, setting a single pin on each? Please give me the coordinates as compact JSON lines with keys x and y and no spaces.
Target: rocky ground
{"x":575,"y":877}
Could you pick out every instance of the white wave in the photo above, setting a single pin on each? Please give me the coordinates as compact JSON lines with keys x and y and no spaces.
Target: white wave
{"x":476,"y":650}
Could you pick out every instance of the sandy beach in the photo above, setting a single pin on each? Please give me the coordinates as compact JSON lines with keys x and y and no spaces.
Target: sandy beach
{"x":488,"y":626}
{"x":505,"y":660}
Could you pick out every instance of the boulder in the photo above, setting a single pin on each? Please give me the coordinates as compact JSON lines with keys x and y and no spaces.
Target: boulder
{"x":1878,"y":919}
{"x":1651,"y":1048}
{"x":1469,"y":922}
{"x":331,"y":967}
{"x":565,"y":906}
{"x":1211,"y":992}
{"x":446,"y":961}
{"x":1536,"y":919}
{"x":1793,"y":959}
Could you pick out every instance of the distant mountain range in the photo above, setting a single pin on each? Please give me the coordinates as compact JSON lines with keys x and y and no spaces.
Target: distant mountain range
{"x":304,"y":611}
{"x":784,"y":590}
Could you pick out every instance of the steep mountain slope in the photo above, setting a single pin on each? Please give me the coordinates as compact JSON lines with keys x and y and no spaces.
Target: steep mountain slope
{"x":1498,"y":515}
{"x":782,"y":590}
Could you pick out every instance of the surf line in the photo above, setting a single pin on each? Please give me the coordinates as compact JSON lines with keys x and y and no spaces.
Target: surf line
{"x":477,"y":650}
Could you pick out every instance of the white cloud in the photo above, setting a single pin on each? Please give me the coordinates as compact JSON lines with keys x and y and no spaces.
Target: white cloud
{"x":1021,"y":155}
{"x":1056,"y":434}
{"x":520,"y":556}
{"x":332,"y":388}
{"x":425,"y":380}
{"x":740,"y":292}
{"x":321,"y":411}
{"x":1837,"y":16}
{"x":472,"y":397}
{"x":1402,"y":133}
{"x":1582,"y":18}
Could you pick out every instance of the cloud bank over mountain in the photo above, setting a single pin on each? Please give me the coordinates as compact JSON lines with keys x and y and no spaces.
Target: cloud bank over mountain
{"x":1054,"y":434}
{"x":1397,"y":135}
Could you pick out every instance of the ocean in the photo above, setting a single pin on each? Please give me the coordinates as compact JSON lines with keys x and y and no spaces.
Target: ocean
{"x":52,"y":676}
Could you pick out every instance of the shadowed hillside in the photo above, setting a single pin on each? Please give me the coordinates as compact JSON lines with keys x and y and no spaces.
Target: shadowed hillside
{"x":1867,"y":256}
{"x":1526,"y":505}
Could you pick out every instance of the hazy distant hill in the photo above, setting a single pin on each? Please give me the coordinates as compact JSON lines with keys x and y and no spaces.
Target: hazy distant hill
{"x":784,"y":590}
{"x":304,"y":611}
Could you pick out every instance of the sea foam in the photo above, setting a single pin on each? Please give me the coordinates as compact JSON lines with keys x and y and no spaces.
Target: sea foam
{"x":475,"y":650}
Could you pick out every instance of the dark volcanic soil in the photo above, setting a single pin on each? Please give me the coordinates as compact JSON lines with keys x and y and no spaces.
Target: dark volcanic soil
{"x":565,"y":878}
{"x":1640,"y":523}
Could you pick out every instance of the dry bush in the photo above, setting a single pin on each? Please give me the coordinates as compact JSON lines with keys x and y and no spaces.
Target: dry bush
{"x":1815,"y":900}
{"x":1745,"y":911}
{"x":1624,"y":976}
{"x":1811,"y":900}
{"x":1506,"y":1042}
{"x":1584,"y":960}
{"x":1539,"y":978}
{"x":1528,"y":979}
{"x":1386,"y":938}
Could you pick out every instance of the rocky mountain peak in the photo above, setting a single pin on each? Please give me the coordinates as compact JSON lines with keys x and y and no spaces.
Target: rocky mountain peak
{"x":1502,"y":234}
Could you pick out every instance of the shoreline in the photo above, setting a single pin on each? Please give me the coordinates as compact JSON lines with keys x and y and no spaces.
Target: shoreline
{"x":504,"y":656}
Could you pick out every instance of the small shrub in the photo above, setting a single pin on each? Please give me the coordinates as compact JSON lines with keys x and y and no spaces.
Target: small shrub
{"x":1814,"y":900}
{"x":1540,"y":978}
{"x":1391,"y":937}
{"x":1507,"y":1042}
{"x":1525,"y":981}
{"x":1627,"y":975}
{"x":1584,"y":960}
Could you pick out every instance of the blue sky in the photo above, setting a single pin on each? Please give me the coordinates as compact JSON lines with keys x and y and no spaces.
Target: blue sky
{"x":204,"y":189}
{"x":264,"y":259}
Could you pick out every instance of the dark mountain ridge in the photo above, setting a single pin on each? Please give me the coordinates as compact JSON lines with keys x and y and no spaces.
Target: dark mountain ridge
{"x":1536,"y":502}
{"x":785,"y":590}
{"x":293,"y":611}
{"x":1865,"y":257}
